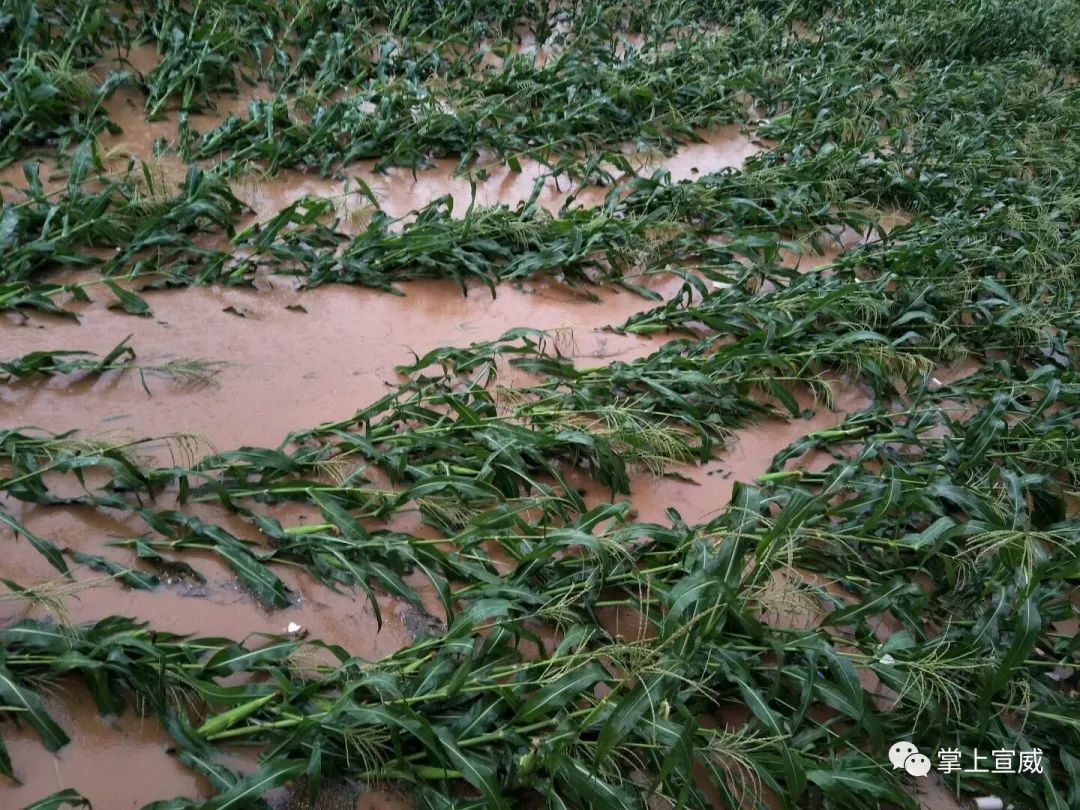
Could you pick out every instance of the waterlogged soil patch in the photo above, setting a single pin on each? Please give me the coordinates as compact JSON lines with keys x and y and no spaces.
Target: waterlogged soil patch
{"x":133,"y":746}
{"x":279,"y":371}
{"x":490,"y":181}
{"x":400,"y":191}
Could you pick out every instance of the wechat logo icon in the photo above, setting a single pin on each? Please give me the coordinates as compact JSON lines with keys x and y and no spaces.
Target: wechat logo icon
{"x":904,"y":755}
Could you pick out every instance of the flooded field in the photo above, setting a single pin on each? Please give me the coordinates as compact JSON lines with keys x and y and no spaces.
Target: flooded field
{"x":552,"y":405}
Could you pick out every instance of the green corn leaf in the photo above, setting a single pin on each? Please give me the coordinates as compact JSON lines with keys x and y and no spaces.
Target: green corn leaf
{"x":62,"y":798}
{"x":590,"y":789}
{"x":32,"y":710}
{"x":557,"y":694}
{"x":45,"y":548}
{"x":5,"y":761}
{"x":269,"y":775}
{"x":629,"y":711}
{"x":129,"y":301}
{"x":855,"y":786}
{"x":477,"y":771}
{"x":1025,"y":636}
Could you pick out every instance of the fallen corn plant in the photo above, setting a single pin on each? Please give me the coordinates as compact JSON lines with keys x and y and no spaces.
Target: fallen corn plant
{"x":122,"y":357}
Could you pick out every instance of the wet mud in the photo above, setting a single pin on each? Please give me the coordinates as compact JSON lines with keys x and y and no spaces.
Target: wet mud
{"x":119,"y":763}
{"x":284,"y":369}
{"x":290,"y":360}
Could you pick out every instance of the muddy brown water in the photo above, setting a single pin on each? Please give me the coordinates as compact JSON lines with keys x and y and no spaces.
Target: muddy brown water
{"x":400,"y":191}
{"x":286,"y":369}
{"x":117,"y":763}
{"x":222,"y":608}
{"x":294,"y":360}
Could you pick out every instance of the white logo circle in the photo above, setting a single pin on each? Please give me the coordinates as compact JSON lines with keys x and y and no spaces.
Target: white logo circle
{"x":917,"y":765}
{"x":904,"y":755}
{"x":899,"y":752}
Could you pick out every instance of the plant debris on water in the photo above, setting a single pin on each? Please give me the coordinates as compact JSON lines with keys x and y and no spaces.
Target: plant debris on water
{"x":908,"y":573}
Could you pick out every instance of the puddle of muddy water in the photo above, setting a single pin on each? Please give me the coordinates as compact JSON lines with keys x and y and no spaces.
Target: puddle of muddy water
{"x":329,"y":617}
{"x":701,"y":492}
{"x":217,"y":605}
{"x":117,"y":763}
{"x":289,"y":369}
{"x":133,"y":754}
{"x":719,"y":148}
{"x":401,"y":190}
{"x":286,"y":369}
